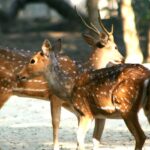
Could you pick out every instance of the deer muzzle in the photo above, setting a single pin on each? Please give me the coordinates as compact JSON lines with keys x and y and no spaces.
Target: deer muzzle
{"x":21,"y":78}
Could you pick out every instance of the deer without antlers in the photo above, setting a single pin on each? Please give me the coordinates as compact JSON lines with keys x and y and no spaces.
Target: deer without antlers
{"x":65,"y":62}
{"x":104,"y":51}
{"x":11,"y":62}
{"x":87,"y":91}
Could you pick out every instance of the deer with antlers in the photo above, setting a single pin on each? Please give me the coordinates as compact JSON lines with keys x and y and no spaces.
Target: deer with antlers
{"x":114,"y":92}
{"x":104,"y":51}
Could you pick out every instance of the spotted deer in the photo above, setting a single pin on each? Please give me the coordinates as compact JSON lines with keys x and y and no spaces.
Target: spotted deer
{"x":89,"y":96}
{"x":64,"y":62}
{"x":12,"y":61}
{"x":104,"y":51}
{"x":116,"y":92}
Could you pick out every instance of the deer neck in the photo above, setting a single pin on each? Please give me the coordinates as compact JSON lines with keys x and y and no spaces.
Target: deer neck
{"x":98,"y":59}
{"x":60,"y":80}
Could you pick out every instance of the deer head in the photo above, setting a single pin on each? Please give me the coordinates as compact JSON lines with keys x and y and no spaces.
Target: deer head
{"x":59,"y":70}
{"x":105,"y":49}
{"x":39,"y":62}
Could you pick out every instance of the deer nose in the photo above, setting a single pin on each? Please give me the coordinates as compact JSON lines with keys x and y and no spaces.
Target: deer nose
{"x":122,"y":60}
{"x":20,"y":78}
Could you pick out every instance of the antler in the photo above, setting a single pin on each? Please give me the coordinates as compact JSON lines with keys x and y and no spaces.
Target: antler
{"x":102,"y":26}
{"x":91,"y":26}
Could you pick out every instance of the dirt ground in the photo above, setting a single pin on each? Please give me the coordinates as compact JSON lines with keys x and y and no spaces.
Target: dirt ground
{"x":25,"y":123}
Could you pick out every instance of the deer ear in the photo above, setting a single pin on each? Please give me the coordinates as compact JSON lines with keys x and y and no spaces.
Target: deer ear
{"x":89,"y":39}
{"x":46,"y":47}
{"x":57,"y":46}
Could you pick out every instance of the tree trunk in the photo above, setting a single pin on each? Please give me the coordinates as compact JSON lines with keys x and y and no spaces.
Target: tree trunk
{"x":92,"y":7}
{"x":148,"y":44}
{"x":133,"y":51}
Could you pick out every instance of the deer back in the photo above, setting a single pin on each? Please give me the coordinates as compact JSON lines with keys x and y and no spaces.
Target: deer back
{"x":110,"y":91}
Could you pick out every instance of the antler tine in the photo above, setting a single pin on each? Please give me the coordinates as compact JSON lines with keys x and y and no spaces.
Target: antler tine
{"x":92,"y":27}
{"x":102,"y":26}
{"x":112,"y":29}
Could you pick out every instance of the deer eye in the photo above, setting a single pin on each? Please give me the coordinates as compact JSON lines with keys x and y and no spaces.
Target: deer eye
{"x":99,"y":45}
{"x":32,"y":61}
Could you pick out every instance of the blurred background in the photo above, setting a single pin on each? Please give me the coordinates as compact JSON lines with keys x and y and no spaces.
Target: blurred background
{"x":24,"y":24}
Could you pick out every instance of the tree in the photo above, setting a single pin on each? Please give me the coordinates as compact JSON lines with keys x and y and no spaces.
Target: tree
{"x":92,"y":6}
{"x":142,"y":13}
{"x":133,"y":50}
{"x":61,"y":6}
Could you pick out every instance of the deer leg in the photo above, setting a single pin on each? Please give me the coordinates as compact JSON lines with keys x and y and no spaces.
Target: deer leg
{"x":133,"y":125}
{"x":146,"y":109}
{"x":146,"y":106}
{"x":3,"y":99}
{"x":55,"y":114}
{"x":98,"y":130}
{"x":83,"y":126}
